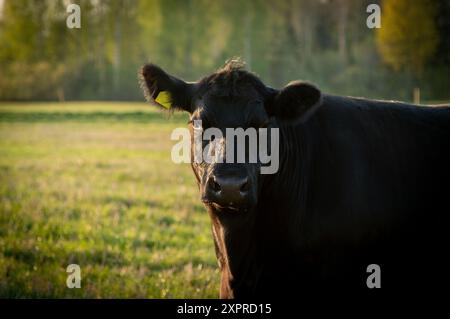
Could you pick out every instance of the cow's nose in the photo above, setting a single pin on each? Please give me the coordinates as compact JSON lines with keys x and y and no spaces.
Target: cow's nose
{"x":228,"y":190}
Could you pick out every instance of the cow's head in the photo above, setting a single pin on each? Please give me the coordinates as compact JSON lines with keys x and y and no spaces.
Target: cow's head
{"x":230,"y":98}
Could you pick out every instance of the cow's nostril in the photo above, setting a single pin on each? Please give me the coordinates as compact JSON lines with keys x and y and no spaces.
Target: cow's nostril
{"x":245,"y":187}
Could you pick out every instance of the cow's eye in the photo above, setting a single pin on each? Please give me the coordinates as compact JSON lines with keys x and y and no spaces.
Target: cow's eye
{"x":205,"y":124}
{"x":264,"y":124}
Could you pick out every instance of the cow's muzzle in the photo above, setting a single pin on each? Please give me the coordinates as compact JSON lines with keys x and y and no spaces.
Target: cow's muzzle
{"x":227,"y":191}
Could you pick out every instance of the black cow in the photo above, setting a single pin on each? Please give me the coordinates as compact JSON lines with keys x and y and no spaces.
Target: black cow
{"x":360,"y":182}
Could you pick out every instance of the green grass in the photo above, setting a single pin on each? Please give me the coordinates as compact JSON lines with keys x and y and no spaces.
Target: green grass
{"x":93,"y":184}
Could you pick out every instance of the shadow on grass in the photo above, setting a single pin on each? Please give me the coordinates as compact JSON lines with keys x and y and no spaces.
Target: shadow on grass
{"x":84,"y":116}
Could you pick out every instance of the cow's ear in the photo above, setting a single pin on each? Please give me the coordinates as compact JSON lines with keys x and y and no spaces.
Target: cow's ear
{"x":295,"y":103}
{"x":166,"y":91}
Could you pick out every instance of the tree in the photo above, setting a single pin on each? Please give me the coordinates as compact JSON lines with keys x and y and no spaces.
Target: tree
{"x":408,"y":36}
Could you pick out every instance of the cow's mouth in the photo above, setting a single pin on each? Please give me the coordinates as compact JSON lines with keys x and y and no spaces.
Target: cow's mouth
{"x":231,"y":207}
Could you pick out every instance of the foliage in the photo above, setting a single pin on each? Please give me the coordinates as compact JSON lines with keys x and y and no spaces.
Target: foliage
{"x":326,"y":42}
{"x":409,"y":35}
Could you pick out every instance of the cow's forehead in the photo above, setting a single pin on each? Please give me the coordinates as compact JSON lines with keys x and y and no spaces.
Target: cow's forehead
{"x":238,"y":96}
{"x":231,"y":111}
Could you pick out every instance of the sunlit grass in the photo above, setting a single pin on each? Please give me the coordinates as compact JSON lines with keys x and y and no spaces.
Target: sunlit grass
{"x":101,"y":192}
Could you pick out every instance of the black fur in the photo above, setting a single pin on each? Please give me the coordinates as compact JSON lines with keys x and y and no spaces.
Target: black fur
{"x":360,"y":182}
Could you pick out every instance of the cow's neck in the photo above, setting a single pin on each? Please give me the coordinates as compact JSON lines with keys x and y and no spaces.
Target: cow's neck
{"x":284,"y":195}
{"x":236,"y":251}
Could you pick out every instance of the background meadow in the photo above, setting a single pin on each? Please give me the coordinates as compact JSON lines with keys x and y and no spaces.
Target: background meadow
{"x":93,"y":184}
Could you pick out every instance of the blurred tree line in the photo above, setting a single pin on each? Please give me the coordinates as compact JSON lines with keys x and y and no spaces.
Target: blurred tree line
{"x":323,"y":41}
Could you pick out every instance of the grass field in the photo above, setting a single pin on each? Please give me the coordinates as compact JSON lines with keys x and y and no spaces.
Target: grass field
{"x":93,"y":184}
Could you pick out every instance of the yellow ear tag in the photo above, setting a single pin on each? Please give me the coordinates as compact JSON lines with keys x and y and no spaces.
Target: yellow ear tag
{"x":164,"y":99}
